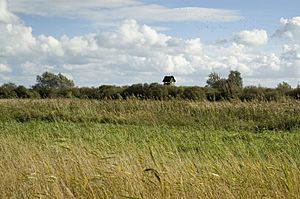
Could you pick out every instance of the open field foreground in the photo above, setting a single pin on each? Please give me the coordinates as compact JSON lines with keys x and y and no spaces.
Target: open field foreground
{"x":149,"y":149}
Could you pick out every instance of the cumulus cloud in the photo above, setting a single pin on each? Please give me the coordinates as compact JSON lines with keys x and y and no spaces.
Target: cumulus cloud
{"x":251,"y":37}
{"x":4,"y":68}
{"x":50,"y":45}
{"x":111,"y":12}
{"x":291,"y":59}
{"x":131,"y":34}
{"x":290,"y":28}
{"x":5,"y":15}
{"x":15,"y":39}
{"x":132,"y":48}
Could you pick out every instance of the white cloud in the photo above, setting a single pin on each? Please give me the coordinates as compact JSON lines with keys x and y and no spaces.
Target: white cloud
{"x":32,"y":69}
{"x":65,"y":7}
{"x":111,"y":12}
{"x":290,"y":28}
{"x":15,"y":39}
{"x":50,"y":45}
{"x":194,"y":47}
{"x":291,"y":60}
{"x":251,"y":37}
{"x":5,"y":15}
{"x":131,"y":35}
{"x":5,"y":68}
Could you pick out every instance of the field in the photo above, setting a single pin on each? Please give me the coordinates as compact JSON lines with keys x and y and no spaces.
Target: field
{"x":149,"y":149}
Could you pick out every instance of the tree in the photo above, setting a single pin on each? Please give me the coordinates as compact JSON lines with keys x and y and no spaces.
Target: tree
{"x":157,"y":91}
{"x":228,"y":88}
{"x":295,"y":93}
{"x":139,"y":91}
{"x":214,"y":85}
{"x":89,"y":93}
{"x":194,"y":93}
{"x":251,"y":93}
{"x":51,"y":81}
{"x":235,"y":78}
{"x":235,"y":84}
{"x":8,"y":91}
{"x":283,"y":88}
{"x":213,"y":80}
{"x":22,"y":92}
{"x":110,"y":92}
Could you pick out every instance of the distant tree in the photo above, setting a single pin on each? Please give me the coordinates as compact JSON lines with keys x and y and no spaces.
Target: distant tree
{"x":236,"y":79}
{"x":51,"y":81}
{"x":295,"y":93}
{"x":8,"y":91}
{"x":34,"y":94}
{"x":283,"y":88}
{"x":194,"y":93}
{"x":224,"y":88}
{"x":110,"y":92}
{"x":9,"y":85}
{"x":251,"y":93}
{"x":175,"y":92}
{"x":157,"y":91}
{"x":89,"y":93}
{"x":212,"y":94}
{"x":272,"y":94}
{"x":218,"y":87}
{"x":213,"y":80}
{"x":65,"y":93}
{"x":139,"y":91}
{"x":235,"y":84}
{"x":50,"y":85}
{"x":228,"y":88}
{"x":23,"y":92}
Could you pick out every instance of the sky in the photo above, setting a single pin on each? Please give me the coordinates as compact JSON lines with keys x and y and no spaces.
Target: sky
{"x":122,"y":42}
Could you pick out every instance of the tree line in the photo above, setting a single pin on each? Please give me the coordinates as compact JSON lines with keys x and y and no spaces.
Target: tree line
{"x":50,"y":85}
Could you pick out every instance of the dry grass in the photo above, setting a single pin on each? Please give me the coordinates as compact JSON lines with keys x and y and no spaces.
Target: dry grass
{"x":147,"y":156}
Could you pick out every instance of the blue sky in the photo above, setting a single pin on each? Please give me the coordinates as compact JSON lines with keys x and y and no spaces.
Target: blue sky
{"x":256,"y":14}
{"x":122,"y":42}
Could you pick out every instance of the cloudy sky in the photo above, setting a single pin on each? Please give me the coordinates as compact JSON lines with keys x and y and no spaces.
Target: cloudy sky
{"x":122,"y":42}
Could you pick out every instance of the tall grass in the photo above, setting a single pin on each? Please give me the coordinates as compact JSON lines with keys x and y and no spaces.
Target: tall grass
{"x":252,"y":116}
{"x":148,"y":149}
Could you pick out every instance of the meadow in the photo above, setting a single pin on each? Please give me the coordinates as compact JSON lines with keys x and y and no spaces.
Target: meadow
{"x":71,"y":148}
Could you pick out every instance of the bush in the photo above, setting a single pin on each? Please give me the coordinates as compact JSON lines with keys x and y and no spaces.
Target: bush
{"x":251,"y":93}
{"x":295,"y":93}
{"x":194,"y":93}
{"x":212,"y":94}
{"x":7,"y":91}
{"x":110,"y":92}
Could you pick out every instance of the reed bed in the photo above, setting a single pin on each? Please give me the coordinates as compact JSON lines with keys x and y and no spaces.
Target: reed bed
{"x":149,"y":149}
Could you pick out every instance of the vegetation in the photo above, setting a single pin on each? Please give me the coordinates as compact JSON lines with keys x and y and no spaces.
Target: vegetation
{"x":149,"y":140}
{"x":72,"y":148}
{"x":54,"y":86}
{"x":250,"y":116}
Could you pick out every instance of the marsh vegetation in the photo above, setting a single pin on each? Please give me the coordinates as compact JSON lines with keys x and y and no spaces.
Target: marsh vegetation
{"x":149,"y":149}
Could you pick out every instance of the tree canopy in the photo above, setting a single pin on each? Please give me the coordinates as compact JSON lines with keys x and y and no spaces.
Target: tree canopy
{"x":228,"y":88}
{"x":51,"y":81}
{"x":218,"y":88}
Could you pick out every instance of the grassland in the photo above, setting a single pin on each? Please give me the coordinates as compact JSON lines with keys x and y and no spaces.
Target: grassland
{"x":149,"y":149}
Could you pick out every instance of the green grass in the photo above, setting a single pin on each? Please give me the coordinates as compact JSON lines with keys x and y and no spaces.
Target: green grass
{"x":149,"y":149}
{"x":252,"y":116}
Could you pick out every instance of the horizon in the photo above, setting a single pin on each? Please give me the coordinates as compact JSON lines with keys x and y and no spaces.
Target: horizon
{"x":149,"y":83}
{"x":124,"y":42}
